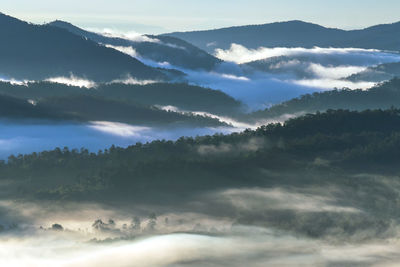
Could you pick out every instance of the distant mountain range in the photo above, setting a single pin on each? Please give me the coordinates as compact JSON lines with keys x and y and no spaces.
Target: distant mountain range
{"x":37,"y":52}
{"x":294,"y":34}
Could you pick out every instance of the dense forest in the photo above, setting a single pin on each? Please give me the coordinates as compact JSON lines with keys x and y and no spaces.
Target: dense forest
{"x":324,"y":148}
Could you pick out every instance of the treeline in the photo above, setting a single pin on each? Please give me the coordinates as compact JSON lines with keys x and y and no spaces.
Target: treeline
{"x":326,"y":144}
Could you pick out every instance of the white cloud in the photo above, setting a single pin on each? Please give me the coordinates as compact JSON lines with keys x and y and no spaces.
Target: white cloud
{"x":132,"y":35}
{"x":329,"y":84}
{"x":119,"y":129}
{"x":336,"y":72}
{"x":138,"y":38}
{"x":73,"y":81}
{"x":130,"y":80}
{"x":124,"y":49}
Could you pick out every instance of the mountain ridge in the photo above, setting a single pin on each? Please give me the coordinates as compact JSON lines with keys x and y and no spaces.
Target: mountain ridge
{"x":157,"y":48}
{"x":294,"y":33}
{"x":38,"y":52}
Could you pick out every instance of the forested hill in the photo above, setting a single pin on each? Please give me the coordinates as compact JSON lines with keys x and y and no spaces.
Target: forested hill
{"x":37,"y":52}
{"x":183,"y":96}
{"x":323,"y":148}
{"x":84,"y":108}
{"x":382,"y":72}
{"x":382,"y":96}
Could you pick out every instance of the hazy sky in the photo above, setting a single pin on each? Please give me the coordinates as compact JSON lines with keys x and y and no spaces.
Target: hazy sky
{"x":171,"y":15}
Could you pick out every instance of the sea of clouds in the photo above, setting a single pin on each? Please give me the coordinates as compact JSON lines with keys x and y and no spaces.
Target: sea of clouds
{"x":321,"y":69}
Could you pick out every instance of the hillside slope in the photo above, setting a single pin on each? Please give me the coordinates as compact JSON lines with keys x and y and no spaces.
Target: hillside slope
{"x":36,"y":52}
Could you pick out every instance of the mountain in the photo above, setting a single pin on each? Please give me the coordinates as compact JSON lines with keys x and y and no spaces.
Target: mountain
{"x":183,"y":96}
{"x":294,"y":34}
{"x":382,"y":96}
{"x":36,"y":52}
{"x":157,"y":48}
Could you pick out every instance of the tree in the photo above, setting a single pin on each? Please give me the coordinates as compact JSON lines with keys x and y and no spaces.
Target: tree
{"x":57,"y":227}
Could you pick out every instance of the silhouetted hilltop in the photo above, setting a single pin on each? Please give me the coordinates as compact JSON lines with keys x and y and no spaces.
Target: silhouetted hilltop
{"x":36,"y":52}
{"x":382,"y":96}
{"x":183,"y":96}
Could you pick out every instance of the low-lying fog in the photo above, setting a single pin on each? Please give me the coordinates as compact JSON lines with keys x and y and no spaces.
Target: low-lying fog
{"x":285,"y":73}
{"x":21,"y":137}
{"x":230,"y":227}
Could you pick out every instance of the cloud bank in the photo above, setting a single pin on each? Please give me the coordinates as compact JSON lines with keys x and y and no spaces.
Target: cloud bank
{"x":240,"y":54}
{"x":31,"y":136}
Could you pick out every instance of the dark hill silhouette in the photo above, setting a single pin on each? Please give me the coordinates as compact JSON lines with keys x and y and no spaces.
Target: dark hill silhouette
{"x":183,"y":96}
{"x":167,"y":49}
{"x":29,"y":51}
{"x":90,"y":108}
{"x":382,"y":96}
{"x":295,"y":34}
{"x":83,"y":108}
